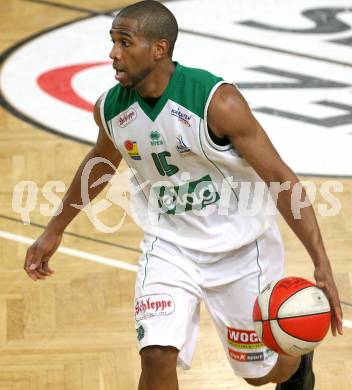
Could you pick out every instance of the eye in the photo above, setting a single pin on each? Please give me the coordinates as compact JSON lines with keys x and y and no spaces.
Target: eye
{"x":112,"y":40}
{"x":125,"y":43}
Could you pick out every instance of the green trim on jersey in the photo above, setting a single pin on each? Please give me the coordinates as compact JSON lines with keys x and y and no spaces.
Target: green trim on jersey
{"x":211,"y":161}
{"x":260,"y":268}
{"x":146,"y":264}
{"x":117,"y":100}
{"x":192,"y":88}
{"x":189,"y":87}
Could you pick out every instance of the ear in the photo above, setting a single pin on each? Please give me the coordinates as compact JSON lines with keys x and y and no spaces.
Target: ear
{"x":161,"y":48}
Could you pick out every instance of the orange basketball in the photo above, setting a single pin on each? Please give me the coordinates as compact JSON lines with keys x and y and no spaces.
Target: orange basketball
{"x":291,"y":316}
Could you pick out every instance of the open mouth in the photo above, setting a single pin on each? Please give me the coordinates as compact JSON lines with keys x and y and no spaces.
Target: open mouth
{"x":120,"y":72}
{"x":120,"y":75}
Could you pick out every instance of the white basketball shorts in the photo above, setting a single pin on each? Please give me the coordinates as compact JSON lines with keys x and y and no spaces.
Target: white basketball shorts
{"x":172,"y":282}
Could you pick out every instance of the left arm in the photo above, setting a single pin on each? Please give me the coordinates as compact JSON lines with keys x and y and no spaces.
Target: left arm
{"x":230,"y":115}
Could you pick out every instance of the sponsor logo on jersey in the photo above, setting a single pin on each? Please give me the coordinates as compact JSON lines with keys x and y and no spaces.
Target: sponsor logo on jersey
{"x":182,"y":116}
{"x":127,"y":117}
{"x":195,"y":195}
{"x":140,"y":332}
{"x":156,"y":138}
{"x":132,"y":149}
{"x":181,"y":147}
{"x":153,"y":305}
{"x":250,"y":356}
{"x":246,"y":357}
{"x":243,"y":339}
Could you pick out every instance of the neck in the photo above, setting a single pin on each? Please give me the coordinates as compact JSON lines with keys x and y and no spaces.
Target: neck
{"x":156,"y":82}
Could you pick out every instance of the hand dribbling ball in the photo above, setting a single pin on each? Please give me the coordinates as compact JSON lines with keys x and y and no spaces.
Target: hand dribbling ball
{"x":291,"y":316}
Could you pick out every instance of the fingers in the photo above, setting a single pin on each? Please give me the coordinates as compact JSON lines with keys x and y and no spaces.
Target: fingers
{"x":336,"y":310}
{"x":338,"y":320}
{"x":333,"y":325}
{"x":336,"y":323}
{"x":36,"y":264}
{"x":321,"y":285}
{"x":46,"y":267}
{"x":28,"y":262}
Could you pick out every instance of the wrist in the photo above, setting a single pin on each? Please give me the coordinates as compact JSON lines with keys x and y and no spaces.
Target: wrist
{"x":56,"y":227}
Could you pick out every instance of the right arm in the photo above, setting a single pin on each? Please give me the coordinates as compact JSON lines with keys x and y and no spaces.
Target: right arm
{"x":40,"y":252}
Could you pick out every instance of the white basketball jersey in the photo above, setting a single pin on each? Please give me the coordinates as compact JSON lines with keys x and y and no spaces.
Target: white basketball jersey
{"x":187,"y":189}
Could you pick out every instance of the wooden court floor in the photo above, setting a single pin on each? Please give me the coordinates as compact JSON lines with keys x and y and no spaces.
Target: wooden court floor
{"x":75,"y":331}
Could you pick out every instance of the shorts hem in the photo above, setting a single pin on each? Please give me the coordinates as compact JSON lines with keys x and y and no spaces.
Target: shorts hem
{"x":180,"y":362}
{"x":163,"y":343}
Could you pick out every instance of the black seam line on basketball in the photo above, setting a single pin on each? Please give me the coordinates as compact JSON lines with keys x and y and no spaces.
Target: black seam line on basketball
{"x":300,"y":316}
{"x":296,"y":292}
{"x":66,"y":6}
{"x":263,"y":47}
{"x":297,"y":316}
{"x":76,"y":235}
{"x":271,"y":295}
{"x":299,"y":338}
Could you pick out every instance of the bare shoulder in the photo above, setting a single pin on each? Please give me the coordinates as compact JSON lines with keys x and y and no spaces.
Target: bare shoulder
{"x":96,"y":111}
{"x":229,"y":111}
{"x":227,"y":98}
{"x":104,"y":146}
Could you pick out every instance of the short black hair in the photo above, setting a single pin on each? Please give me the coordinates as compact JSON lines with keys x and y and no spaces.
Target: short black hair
{"x":154,"y":20}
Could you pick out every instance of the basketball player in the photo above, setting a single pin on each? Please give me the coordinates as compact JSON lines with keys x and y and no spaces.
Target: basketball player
{"x":194,"y":146}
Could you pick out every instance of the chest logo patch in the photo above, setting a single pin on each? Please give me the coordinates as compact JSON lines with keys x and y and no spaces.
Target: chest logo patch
{"x":182,"y":116}
{"x":156,"y":138}
{"x":132,"y":149}
{"x":190,"y":196}
{"x":127,"y":117}
{"x":182,"y":148}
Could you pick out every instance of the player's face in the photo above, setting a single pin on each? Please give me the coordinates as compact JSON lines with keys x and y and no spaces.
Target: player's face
{"x":131,"y":53}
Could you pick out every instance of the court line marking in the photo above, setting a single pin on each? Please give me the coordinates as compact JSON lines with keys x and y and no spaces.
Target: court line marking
{"x":74,"y":252}
{"x":347,"y":323}
{"x":346,"y":303}
{"x":65,"y":6}
{"x":91,"y":12}
{"x":38,"y":225}
{"x":32,"y":121}
{"x":91,"y":257}
{"x":263,"y":47}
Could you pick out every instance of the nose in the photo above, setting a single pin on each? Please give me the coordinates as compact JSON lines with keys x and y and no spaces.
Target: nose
{"x":115,"y":52}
